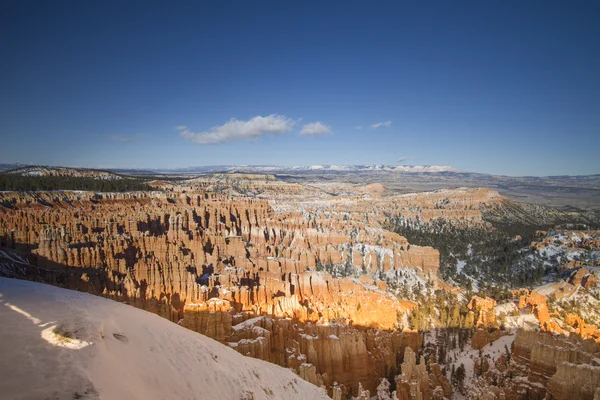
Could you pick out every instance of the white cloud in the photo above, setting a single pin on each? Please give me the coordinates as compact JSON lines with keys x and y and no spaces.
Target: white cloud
{"x":315,"y":129}
{"x":386,"y":124}
{"x":240,"y":130}
{"x":358,"y":127}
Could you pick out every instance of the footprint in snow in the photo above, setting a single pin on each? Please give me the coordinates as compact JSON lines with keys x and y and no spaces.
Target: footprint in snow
{"x":121,"y":337}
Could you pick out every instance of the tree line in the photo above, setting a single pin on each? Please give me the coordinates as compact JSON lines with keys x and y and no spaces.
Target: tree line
{"x":18,"y":183}
{"x":495,"y":256}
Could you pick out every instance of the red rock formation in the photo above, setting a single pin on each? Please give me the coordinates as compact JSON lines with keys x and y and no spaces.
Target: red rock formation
{"x":541,"y":355}
{"x":539,"y":307}
{"x":438,"y":383}
{"x":332,"y":353}
{"x":542,"y":366}
{"x":574,"y":381}
{"x":413,"y":382}
{"x":483,"y":337}
{"x":484,"y":311}
{"x":243,"y":270}
{"x":212,"y":262}
{"x":212,"y":318}
{"x":583,"y":329}
{"x":416,"y":383}
{"x":582,"y":276}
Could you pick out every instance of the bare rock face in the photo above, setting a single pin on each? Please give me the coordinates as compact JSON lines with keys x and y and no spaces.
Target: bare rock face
{"x":584,"y":277}
{"x":481,"y":365}
{"x":501,"y":363}
{"x":363,"y":394}
{"x":484,"y":336}
{"x":574,"y":381}
{"x":578,"y":276}
{"x":567,"y":367}
{"x":212,"y":318}
{"x":338,"y":393}
{"x":590,"y":281}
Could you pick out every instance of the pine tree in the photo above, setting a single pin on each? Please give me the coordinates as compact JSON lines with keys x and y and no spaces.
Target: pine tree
{"x":455,"y":320}
{"x":507,"y":354}
{"x":460,"y":377}
{"x":453,"y":376}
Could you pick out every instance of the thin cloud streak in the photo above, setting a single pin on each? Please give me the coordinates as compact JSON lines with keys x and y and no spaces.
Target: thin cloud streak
{"x":385,"y":124}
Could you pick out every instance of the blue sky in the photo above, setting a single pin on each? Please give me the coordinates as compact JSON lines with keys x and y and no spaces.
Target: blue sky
{"x":510,"y":88}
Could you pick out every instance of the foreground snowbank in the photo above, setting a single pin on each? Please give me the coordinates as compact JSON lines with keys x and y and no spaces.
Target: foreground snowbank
{"x":60,"y":344}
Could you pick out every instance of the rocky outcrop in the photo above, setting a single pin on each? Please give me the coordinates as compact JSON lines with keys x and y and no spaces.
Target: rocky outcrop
{"x":557,"y":363}
{"x":413,"y":382}
{"x":417,"y":383}
{"x":583,"y":276}
{"x":438,"y":383}
{"x":328,"y":354}
{"x":212,"y":318}
{"x":583,"y":329}
{"x":540,"y":366}
{"x":483,"y":337}
{"x":574,"y":381}
{"x":484,"y":311}
{"x":538,"y":304}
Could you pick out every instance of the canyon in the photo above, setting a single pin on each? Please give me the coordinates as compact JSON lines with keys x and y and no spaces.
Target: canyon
{"x":308,"y":277}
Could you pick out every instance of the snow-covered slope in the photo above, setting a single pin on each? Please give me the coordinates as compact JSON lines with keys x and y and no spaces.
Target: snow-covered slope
{"x":61,"y":344}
